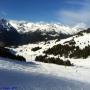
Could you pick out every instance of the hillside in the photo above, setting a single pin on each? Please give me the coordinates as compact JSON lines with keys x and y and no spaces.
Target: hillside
{"x":76,"y":47}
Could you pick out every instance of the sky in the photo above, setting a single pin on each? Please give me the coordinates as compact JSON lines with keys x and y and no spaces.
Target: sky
{"x":68,"y":12}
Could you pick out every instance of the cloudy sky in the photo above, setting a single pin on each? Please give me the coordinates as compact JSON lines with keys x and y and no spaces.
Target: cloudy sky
{"x":64,"y":11}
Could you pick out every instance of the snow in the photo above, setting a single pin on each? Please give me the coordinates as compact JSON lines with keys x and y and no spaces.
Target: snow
{"x":24,"y":26}
{"x":40,"y":76}
{"x":80,"y":41}
{"x":83,"y":41}
{"x":80,"y":26}
{"x":5,"y":24}
{"x":25,"y":50}
{"x":32,"y":75}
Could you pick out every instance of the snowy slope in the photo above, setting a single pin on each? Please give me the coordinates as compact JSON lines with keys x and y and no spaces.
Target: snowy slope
{"x":42,"y":76}
{"x":24,"y":26}
{"x":81,"y":41}
{"x":26,"y":50}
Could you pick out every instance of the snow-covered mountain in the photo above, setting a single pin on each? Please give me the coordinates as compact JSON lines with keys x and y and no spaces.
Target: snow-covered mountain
{"x":5,"y":25}
{"x":24,"y":26}
{"x":28,"y":32}
{"x":8,"y":34}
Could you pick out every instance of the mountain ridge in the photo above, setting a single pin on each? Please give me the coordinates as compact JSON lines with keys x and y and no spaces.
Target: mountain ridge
{"x":23,"y":26}
{"x":22,"y":32}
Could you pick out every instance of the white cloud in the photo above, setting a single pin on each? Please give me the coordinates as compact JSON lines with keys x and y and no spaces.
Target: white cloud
{"x":76,"y":16}
{"x":78,"y":2}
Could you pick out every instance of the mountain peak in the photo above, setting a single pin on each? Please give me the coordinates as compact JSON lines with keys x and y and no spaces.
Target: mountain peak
{"x":4,"y":24}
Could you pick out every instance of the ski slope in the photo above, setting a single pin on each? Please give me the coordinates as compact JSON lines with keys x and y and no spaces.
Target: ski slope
{"x":40,"y":76}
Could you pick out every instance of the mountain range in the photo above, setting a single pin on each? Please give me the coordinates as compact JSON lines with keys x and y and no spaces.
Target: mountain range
{"x":66,"y":42}
{"x":14,"y":32}
{"x":33,"y":40}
